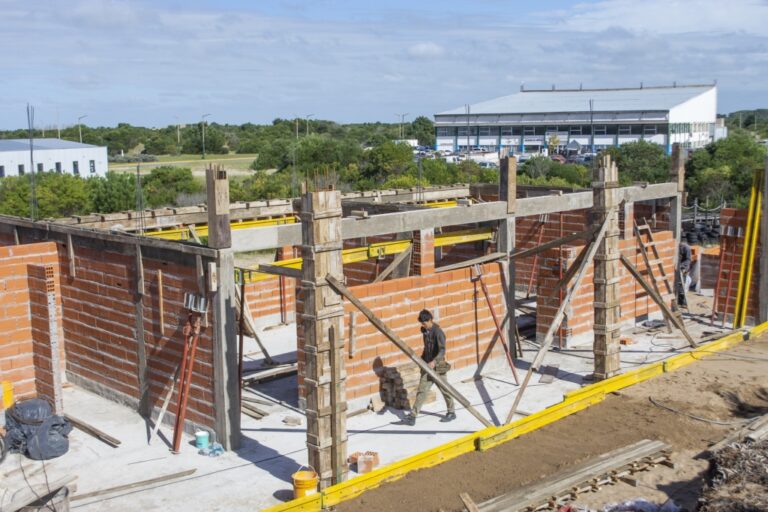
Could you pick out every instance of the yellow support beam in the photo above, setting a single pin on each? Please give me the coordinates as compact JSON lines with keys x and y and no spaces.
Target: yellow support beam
{"x":464,"y":236}
{"x":182,"y":233}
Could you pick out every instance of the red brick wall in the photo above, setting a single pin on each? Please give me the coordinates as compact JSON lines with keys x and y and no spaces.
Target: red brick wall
{"x":737,"y":218}
{"x":457,"y":303}
{"x":100,"y":327}
{"x":20,"y":319}
{"x":580,"y":316}
{"x":39,"y":278}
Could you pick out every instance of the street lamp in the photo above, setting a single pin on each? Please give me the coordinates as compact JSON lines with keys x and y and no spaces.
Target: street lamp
{"x":203,"y":123}
{"x":402,"y":120}
{"x":80,"y":127}
{"x":307,"y":119}
{"x":178,"y":131}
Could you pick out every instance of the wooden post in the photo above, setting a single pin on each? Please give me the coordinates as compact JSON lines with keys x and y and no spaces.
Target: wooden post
{"x":145,"y":407}
{"x":505,"y":242}
{"x":323,"y":324}
{"x":226,"y":380}
{"x":607,"y":327}
{"x":677,"y":175}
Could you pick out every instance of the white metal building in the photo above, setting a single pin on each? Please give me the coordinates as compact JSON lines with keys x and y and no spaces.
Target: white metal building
{"x":52,"y":155}
{"x":586,"y":120}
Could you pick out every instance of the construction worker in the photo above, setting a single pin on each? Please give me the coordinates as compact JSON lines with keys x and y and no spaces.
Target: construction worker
{"x":433,"y":355}
{"x":684,"y":259}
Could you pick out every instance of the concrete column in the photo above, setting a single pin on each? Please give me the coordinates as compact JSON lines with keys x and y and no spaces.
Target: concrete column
{"x":607,"y":326}
{"x":322,"y":322}
{"x":221,"y":286}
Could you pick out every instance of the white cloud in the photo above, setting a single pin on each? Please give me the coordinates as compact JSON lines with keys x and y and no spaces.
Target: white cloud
{"x":670,"y":16}
{"x":426,"y":50}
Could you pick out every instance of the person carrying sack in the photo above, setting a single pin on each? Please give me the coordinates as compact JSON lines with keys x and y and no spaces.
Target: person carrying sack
{"x":434,"y":355}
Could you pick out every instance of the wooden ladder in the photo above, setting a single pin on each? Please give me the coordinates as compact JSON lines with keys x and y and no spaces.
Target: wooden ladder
{"x":653,"y":261}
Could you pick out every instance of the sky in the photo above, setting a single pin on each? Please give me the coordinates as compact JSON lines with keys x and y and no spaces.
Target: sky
{"x":163,"y":62}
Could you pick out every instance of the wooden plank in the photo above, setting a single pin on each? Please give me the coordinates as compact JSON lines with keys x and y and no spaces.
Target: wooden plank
{"x":351,"y":334}
{"x":386,"y":331}
{"x":294,"y":273}
{"x":254,"y":409}
{"x":563,"y":482}
{"x":469,"y":503}
{"x":270,"y":373}
{"x":134,"y":485}
{"x":393,"y":265}
{"x":193,"y":233}
{"x":217,"y":188}
{"x":166,"y":402}
{"x":488,"y":258}
{"x":557,"y":320}
{"x":93,"y":431}
{"x":658,"y":300}
{"x":160,"y":302}
{"x":70,"y":255}
{"x":145,"y":406}
{"x":582,"y":235}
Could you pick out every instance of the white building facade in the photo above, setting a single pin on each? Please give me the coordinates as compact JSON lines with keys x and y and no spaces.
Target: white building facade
{"x":55,"y":155}
{"x":583,"y":120}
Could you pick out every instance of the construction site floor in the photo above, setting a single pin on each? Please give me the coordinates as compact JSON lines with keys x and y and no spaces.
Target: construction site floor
{"x":258,"y":474}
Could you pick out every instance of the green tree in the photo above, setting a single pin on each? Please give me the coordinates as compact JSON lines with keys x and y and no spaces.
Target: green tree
{"x":424,"y":130}
{"x":387,"y":159}
{"x":115,"y":192}
{"x":537,"y":167}
{"x":261,"y":186}
{"x":640,"y":161}
{"x":164,"y":184}
{"x":14,"y":196}
{"x":740,"y":152}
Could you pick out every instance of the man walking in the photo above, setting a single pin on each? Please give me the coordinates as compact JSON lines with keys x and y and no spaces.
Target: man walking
{"x":682,"y":280}
{"x":434,"y":352}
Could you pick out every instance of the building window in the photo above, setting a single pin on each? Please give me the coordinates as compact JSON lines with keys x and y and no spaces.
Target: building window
{"x":625,"y":129}
{"x":529,"y":130}
{"x":92,"y":166}
{"x":442,"y":131}
{"x":551,"y":128}
{"x":575,"y":130}
{"x":2,"y":171}
{"x":39,"y":167}
{"x":462,"y":131}
{"x":506,"y":131}
{"x":601,"y":129}
{"x":649,"y":129}
{"x":485,"y":131}
{"x":76,"y":168}
{"x":58,"y":167}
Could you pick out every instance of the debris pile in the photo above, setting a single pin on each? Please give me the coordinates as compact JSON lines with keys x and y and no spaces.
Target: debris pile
{"x":739,"y":477}
{"x":641,"y":505}
{"x":399,"y":385}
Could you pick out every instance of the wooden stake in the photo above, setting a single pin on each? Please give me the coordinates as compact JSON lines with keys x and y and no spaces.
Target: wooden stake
{"x":556,"y":321}
{"x":393,"y":265}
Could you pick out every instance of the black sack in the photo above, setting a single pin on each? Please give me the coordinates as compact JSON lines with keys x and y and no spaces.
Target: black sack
{"x":33,"y":430}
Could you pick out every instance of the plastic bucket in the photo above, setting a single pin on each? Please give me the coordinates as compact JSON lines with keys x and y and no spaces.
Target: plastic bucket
{"x":202,"y":439}
{"x":304,"y":483}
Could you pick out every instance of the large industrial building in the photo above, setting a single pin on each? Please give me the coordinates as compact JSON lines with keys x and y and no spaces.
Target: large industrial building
{"x":583,"y":120}
{"x":57,"y":155}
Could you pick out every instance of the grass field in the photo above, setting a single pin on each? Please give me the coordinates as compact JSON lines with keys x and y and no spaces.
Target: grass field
{"x":237,"y":164}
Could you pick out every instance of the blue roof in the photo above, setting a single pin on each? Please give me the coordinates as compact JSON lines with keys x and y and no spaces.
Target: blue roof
{"x":575,"y":100}
{"x":40,"y":144}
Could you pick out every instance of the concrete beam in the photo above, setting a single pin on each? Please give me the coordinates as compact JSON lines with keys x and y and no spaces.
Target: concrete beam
{"x":290,"y":234}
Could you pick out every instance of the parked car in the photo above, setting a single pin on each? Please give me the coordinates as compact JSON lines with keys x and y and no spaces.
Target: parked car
{"x":558,"y":158}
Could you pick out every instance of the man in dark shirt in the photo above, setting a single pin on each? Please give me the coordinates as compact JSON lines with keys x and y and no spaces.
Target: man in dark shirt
{"x":684,"y":258}
{"x":434,"y":355}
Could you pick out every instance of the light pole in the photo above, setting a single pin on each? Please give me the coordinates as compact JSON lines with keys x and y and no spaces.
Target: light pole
{"x":402,"y":120}
{"x":178,"y":131}
{"x":307,"y":119}
{"x":80,"y":127}
{"x":203,"y":123}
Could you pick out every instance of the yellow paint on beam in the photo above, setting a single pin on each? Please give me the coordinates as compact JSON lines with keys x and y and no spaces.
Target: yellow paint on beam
{"x":463,"y":236}
{"x":182,"y":233}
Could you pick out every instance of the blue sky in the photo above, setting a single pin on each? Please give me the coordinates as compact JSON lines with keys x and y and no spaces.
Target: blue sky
{"x":155,"y":63}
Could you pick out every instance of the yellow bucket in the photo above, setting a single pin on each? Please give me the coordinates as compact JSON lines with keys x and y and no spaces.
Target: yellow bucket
{"x":304,"y":483}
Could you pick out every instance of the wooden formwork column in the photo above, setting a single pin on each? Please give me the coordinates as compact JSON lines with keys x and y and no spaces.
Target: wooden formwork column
{"x":607,"y":299}
{"x":323,"y":325}
{"x":505,"y":242}
{"x":221,"y":286}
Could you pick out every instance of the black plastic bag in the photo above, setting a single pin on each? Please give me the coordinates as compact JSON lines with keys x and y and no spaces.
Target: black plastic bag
{"x":33,"y":430}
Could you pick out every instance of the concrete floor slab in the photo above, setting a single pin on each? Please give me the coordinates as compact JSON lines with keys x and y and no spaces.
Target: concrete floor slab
{"x":259,"y":473}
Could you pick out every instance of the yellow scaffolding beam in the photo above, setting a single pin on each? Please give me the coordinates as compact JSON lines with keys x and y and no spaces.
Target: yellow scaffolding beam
{"x":182,"y":233}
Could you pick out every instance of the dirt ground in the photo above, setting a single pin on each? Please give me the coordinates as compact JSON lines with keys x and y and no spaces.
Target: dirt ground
{"x":727,"y":387}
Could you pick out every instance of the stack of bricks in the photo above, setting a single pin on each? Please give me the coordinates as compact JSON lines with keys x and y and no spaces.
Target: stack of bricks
{"x":322,"y":329}
{"x":399,"y":385}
